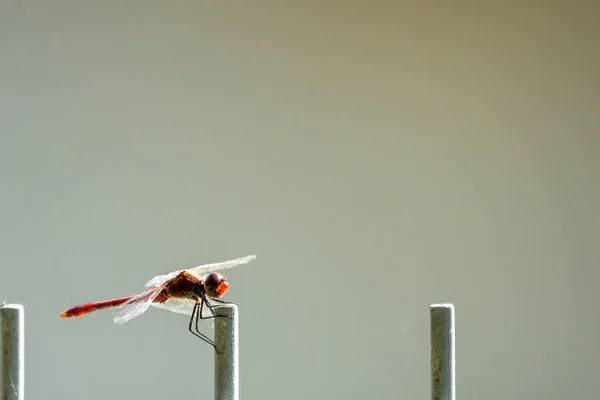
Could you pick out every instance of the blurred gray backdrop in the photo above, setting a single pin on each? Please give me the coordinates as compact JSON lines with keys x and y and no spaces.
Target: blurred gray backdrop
{"x":376,"y":156}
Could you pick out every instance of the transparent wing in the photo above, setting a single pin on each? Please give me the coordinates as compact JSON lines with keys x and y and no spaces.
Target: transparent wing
{"x":135,"y":306}
{"x":157,"y":280}
{"x":180,"y":306}
{"x":183,"y":306}
{"x":201,"y":270}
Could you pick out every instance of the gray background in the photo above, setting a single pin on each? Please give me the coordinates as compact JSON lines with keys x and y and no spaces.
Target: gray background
{"x":378,"y":157}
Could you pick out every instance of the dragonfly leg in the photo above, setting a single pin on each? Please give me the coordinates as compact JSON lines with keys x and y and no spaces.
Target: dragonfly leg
{"x":210,"y":307}
{"x":225,"y":302}
{"x":195,"y":313}
{"x":199,"y":316}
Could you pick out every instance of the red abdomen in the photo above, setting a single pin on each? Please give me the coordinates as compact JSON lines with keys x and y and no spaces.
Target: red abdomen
{"x":86,"y":308}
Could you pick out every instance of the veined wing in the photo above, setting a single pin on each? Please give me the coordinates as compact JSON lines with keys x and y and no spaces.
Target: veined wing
{"x":181,"y":306}
{"x":157,"y":280}
{"x":201,"y":270}
{"x":185,"y":306}
{"x":135,"y":306}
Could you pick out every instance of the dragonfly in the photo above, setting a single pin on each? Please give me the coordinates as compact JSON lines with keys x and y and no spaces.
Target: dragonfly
{"x":187,"y":291}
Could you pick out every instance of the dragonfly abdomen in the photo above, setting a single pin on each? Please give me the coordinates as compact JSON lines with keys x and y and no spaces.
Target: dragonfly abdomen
{"x":87,"y":308}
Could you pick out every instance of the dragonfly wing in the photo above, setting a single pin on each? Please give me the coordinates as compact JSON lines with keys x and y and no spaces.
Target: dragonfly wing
{"x":135,"y":306}
{"x":180,"y":306}
{"x":160,"y":279}
{"x":202,"y":270}
{"x":183,"y":306}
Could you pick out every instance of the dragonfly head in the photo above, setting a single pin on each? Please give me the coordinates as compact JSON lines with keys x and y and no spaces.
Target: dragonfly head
{"x":215,"y":285}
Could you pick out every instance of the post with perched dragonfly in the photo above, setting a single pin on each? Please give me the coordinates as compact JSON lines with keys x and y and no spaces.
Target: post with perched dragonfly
{"x":196,"y":292}
{"x":226,"y":352}
{"x":13,"y":352}
{"x":442,"y":352}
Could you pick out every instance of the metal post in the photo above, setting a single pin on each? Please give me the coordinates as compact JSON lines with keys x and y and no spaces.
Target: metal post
{"x":226,"y":354}
{"x":442,"y":352}
{"x":13,"y":352}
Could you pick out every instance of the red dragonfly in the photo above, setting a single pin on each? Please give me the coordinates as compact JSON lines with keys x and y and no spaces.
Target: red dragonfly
{"x":185,"y":291}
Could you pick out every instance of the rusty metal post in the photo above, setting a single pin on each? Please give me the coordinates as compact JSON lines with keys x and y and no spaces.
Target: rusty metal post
{"x":12,"y":379}
{"x":227,"y":353}
{"x":443,"y":385}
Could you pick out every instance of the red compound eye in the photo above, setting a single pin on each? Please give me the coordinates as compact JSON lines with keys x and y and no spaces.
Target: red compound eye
{"x":215,"y":285}
{"x":222,"y":288}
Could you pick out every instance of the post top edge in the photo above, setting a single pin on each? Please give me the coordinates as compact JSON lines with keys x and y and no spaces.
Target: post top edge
{"x":11,"y":307}
{"x":442,"y":305}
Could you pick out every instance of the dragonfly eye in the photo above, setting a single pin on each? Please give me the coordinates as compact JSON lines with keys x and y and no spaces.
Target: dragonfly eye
{"x":215,"y":285}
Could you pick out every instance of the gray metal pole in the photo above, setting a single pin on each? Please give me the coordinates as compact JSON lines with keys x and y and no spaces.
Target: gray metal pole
{"x":13,"y":352}
{"x":442,"y":352}
{"x":226,"y":354}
